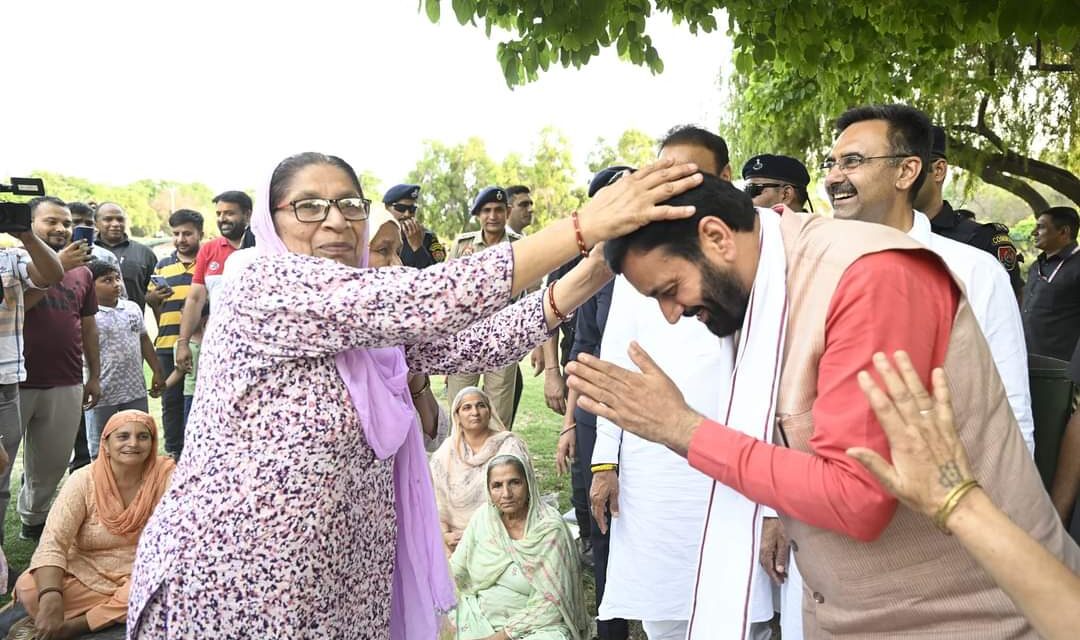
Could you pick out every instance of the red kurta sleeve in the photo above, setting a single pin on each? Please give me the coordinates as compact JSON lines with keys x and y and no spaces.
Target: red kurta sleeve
{"x":885,"y":302}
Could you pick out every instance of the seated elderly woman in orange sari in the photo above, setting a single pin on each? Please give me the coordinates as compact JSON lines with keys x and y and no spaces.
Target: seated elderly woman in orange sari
{"x":459,"y":465}
{"x":78,"y":577}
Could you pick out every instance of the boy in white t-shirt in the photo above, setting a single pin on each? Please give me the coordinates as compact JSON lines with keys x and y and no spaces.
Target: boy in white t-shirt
{"x":125,"y":345}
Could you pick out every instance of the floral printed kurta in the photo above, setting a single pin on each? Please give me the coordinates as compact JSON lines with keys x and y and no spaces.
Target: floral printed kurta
{"x":280,"y":520}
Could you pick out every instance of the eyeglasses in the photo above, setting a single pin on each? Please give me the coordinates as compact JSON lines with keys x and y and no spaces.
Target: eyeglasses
{"x":353,"y":208}
{"x":404,"y":208}
{"x":853,"y":161}
{"x":755,"y":189}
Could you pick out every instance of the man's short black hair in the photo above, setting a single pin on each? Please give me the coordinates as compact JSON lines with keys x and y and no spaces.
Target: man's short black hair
{"x":1064,"y":217}
{"x":186,"y":216}
{"x":81,"y":209}
{"x":100,"y":268}
{"x":239,"y":198}
{"x":40,"y":200}
{"x":515,"y":190}
{"x":689,"y":134}
{"x":714,"y":197}
{"x":910,"y":133}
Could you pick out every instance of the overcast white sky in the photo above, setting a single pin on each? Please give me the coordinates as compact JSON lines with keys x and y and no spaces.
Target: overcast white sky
{"x":218,"y":92}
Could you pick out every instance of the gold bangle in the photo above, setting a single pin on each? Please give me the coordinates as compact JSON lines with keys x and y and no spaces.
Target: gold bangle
{"x":597,"y":468}
{"x":951,"y":501}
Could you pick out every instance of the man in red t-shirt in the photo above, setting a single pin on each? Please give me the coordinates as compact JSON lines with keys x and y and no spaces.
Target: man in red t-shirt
{"x":233,"y":210}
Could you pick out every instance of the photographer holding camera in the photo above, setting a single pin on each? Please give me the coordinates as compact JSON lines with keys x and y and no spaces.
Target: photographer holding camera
{"x":60,"y":329}
{"x":32,"y":266}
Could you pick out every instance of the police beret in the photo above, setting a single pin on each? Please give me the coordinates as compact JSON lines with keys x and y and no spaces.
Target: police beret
{"x":490,"y":194}
{"x":401,"y":192}
{"x":603,"y":178}
{"x":783,"y":168}
{"x":937,"y":144}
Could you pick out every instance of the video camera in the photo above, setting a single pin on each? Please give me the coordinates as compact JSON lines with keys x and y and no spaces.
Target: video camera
{"x":15,"y":216}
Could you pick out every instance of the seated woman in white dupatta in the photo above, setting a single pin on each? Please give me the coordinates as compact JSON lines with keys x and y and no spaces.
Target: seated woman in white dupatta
{"x":458,"y":466}
{"x":516,"y":568}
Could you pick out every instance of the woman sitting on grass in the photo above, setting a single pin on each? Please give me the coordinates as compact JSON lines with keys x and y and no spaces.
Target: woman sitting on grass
{"x":78,"y":577}
{"x":516,"y":567}
{"x":458,"y":466}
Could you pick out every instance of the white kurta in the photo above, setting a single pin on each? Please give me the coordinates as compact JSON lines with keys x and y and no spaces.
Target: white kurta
{"x":993,"y":302}
{"x":662,"y":500}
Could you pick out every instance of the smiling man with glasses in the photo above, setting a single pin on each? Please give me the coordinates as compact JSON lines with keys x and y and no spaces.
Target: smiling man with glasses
{"x":420,"y":247}
{"x":773,"y":180}
{"x":874,"y":174}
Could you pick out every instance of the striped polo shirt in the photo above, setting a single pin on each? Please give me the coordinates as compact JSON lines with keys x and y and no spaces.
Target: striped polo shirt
{"x":178,"y":275}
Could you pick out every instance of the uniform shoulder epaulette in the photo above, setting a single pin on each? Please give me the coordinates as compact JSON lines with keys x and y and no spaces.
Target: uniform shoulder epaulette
{"x":468,"y":235}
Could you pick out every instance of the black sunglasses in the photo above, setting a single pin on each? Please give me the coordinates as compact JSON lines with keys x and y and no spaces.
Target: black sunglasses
{"x":404,"y":208}
{"x":755,"y":189}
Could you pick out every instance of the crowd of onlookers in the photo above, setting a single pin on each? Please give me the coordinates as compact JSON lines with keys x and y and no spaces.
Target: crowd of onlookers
{"x":74,"y":347}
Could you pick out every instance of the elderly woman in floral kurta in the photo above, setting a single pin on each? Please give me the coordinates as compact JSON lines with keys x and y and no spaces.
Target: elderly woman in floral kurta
{"x":303,"y":506}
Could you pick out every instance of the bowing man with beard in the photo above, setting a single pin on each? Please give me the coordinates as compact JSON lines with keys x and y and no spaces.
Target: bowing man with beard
{"x":233,"y":210}
{"x":813,"y":299}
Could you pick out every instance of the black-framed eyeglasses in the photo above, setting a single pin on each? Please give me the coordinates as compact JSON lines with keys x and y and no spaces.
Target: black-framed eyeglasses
{"x":755,"y":189}
{"x":404,"y":208}
{"x":853,"y":161}
{"x":352,"y":208}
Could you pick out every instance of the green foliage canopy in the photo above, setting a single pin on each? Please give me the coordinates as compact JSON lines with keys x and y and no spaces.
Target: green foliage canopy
{"x":147,"y":203}
{"x":999,"y":74}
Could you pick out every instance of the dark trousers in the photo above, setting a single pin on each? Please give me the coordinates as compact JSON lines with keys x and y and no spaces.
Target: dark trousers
{"x":519,"y":388}
{"x":173,"y":419}
{"x":616,"y":629}
{"x":81,"y":455}
{"x":579,"y":496}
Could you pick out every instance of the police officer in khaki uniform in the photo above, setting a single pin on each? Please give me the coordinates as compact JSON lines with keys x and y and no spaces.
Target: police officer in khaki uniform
{"x":420,"y":247}
{"x":490,"y":210}
{"x":954,"y":224}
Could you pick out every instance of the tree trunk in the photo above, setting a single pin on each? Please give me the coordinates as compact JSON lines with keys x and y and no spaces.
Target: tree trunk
{"x":1003,"y":169}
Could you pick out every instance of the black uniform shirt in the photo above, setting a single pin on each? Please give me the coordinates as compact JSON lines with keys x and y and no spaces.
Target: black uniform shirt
{"x":430,"y":252}
{"x":1051,"y":309}
{"x":991,"y":237}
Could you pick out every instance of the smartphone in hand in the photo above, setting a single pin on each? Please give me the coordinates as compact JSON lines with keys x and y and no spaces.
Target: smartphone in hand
{"x":83,"y":233}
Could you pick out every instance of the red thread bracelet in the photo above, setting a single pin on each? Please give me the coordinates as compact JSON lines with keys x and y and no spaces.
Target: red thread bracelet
{"x":577,"y":234}
{"x":551,"y":300}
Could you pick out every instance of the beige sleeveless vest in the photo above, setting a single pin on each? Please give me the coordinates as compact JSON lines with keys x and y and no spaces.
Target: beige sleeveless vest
{"x":913,"y":581}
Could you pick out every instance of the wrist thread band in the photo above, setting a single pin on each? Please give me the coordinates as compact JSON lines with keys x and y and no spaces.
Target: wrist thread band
{"x":597,"y":468}
{"x":554,"y":309}
{"x":421,"y":390}
{"x":951,"y":501}
{"x":568,"y":430}
{"x":577,"y":235}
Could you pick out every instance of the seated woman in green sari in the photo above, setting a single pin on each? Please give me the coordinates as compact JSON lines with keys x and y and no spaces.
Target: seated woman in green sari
{"x":516,"y":569}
